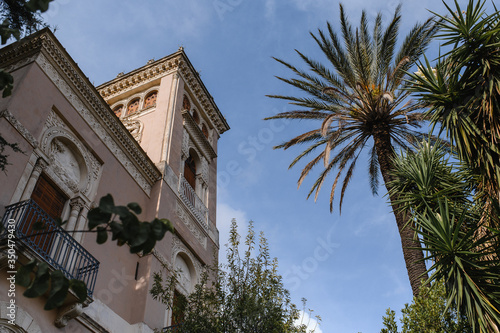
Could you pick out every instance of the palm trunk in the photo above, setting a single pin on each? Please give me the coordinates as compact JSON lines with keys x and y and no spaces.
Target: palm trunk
{"x":412,"y":251}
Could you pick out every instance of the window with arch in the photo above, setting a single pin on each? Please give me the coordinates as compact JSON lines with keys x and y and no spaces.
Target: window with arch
{"x":196,"y":117}
{"x":118,"y":110}
{"x":204,"y":129}
{"x":186,"y":104}
{"x":133,"y":106}
{"x":150,"y":99}
{"x":190,"y":171}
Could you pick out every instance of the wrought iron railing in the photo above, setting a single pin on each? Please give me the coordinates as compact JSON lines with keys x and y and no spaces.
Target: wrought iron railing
{"x":52,"y":243}
{"x":193,"y":201}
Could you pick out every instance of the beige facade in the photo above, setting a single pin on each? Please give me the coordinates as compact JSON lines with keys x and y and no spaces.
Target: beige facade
{"x":149,"y":136}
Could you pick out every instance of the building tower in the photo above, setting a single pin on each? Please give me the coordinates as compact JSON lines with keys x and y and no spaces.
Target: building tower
{"x":148,"y":136}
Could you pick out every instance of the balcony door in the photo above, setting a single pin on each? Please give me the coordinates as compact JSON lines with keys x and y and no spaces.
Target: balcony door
{"x":51,"y":200}
{"x":190,"y":171}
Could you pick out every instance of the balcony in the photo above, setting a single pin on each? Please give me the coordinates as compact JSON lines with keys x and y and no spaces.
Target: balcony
{"x":52,"y":244}
{"x":195,"y":204}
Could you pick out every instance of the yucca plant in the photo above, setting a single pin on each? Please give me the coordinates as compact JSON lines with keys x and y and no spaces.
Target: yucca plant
{"x":359,"y":102}
{"x":466,"y":260}
{"x":452,"y":228}
{"x":462,"y":90}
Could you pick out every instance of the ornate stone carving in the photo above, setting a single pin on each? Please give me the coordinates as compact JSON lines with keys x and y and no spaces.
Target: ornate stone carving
{"x":40,"y":165}
{"x":64,"y":161}
{"x":185,"y":144}
{"x":183,"y":273}
{"x":191,"y":225}
{"x":162,"y":260}
{"x":67,"y":313}
{"x":204,"y":169}
{"x":177,"y":247}
{"x":77,"y":204}
{"x":197,"y":136}
{"x":19,"y":127}
{"x":103,"y":122}
{"x":135,"y":127}
{"x":65,"y":164}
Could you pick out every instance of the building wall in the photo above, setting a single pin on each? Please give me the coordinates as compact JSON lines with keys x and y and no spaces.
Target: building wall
{"x":69,"y":134}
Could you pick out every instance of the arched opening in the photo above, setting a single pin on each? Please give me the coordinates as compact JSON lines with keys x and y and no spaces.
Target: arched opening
{"x":196,"y":117}
{"x":133,"y":106}
{"x":186,"y":104}
{"x":118,"y":110}
{"x":190,"y":171}
{"x":204,"y":129}
{"x":150,"y":99}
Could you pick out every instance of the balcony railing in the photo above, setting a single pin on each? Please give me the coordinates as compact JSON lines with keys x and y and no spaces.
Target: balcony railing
{"x":53,"y":244}
{"x":193,"y":201}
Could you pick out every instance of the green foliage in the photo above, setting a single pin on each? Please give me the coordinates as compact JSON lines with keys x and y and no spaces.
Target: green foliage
{"x":462,"y":89}
{"x":357,"y":98}
{"x":40,"y":280}
{"x":245,"y":295}
{"x":429,"y":312}
{"x":140,"y":236}
{"x":19,"y":18}
{"x":3,"y":144}
{"x":452,"y":228}
{"x":360,"y":101}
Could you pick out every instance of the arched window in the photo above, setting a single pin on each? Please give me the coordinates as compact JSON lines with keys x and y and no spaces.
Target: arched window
{"x":190,"y":171}
{"x":186,"y":105}
{"x":133,"y":106}
{"x":150,"y":100}
{"x":196,"y":118}
{"x":118,"y":110}
{"x":204,"y":129}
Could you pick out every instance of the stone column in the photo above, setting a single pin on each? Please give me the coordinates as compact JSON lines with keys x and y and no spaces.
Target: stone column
{"x":80,"y":224}
{"x":40,"y":165}
{"x":76,"y":205}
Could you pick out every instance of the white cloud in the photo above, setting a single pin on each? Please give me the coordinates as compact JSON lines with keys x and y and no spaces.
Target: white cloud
{"x":225,"y":214}
{"x":311,"y":323}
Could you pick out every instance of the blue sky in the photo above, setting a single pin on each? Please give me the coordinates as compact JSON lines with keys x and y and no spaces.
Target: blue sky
{"x":350,"y":267}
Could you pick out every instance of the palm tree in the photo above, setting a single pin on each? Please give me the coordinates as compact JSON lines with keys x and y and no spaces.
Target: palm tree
{"x":362,"y":102}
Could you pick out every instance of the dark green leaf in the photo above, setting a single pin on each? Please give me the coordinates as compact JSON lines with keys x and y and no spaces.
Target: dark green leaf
{"x":142,"y":234}
{"x":41,"y":5}
{"x":79,"y":288}
{"x":134,"y":206}
{"x":121,"y":211}
{"x":116,"y":230}
{"x":158,"y":229}
{"x":96,"y":216}
{"x":59,"y":290}
{"x":23,"y":276}
{"x":106,"y":204}
{"x":40,"y":283}
{"x":102,"y":235}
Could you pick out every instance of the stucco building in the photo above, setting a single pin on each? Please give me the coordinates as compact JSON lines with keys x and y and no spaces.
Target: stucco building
{"x":149,"y":136}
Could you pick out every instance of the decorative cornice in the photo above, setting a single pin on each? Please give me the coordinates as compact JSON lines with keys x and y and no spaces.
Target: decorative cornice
{"x":19,"y":127}
{"x":68,"y":77}
{"x":198,"y":137}
{"x":177,"y":63}
{"x":190,"y":223}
